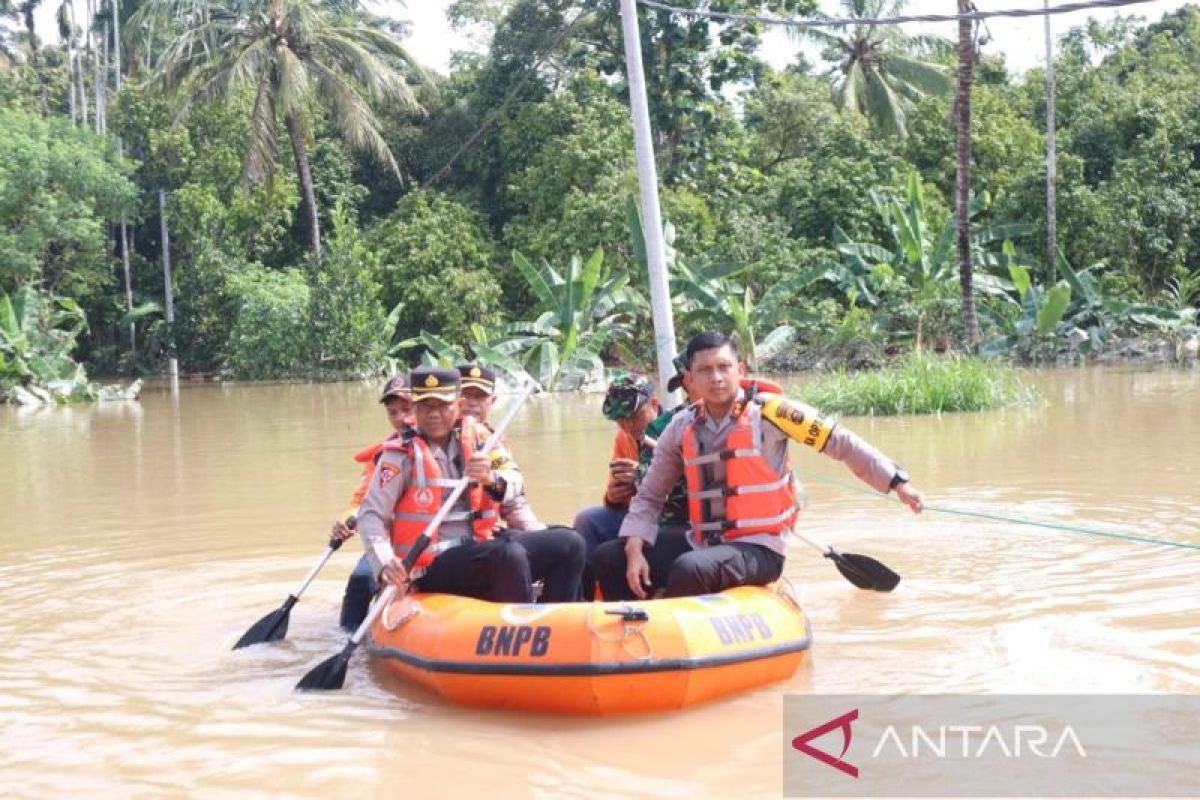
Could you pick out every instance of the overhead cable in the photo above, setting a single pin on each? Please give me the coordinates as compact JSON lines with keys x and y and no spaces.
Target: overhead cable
{"x":840,"y":22}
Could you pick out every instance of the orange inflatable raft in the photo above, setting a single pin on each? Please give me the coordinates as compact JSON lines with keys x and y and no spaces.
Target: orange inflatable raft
{"x":592,"y":658}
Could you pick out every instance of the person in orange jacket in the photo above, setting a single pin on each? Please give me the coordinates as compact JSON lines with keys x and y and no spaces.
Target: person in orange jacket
{"x":468,"y":554}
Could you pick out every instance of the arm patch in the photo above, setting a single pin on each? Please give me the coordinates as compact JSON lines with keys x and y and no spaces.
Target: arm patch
{"x":802,"y":423}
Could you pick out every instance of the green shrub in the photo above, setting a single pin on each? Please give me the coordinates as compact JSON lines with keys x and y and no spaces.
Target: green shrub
{"x":435,"y":257}
{"x":347,"y":328}
{"x":270,"y":338}
{"x":920,"y":384}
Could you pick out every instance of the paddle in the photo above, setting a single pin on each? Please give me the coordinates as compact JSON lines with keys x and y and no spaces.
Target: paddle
{"x":331,"y":673}
{"x":273,"y":626}
{"x":863,"y":571}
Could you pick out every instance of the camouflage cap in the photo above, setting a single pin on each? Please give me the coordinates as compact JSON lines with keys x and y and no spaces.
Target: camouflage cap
{"x":626,"y":396}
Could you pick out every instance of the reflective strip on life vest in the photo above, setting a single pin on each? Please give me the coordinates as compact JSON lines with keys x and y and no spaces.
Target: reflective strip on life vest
{"x":418,"y":456}
{"x":721,"y":455}
{"x":758,"y":488}
{"x":759,"y":522}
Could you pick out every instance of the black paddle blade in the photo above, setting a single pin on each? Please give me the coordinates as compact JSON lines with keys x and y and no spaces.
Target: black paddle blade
{"x":329,"y":675}
{"x":864,"y":571}
{"x":270,"y":628}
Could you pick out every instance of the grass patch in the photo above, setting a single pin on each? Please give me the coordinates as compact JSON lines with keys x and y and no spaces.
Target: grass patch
{"x":921,"y":384}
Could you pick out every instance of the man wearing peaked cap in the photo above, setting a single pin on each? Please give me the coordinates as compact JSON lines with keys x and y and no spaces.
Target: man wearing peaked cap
{"x":468,"y":555}
{"x":478,"y":396}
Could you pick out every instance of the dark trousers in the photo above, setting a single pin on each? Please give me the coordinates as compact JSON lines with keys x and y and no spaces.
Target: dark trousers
{"x":500,"y":569}
{"x":682,"y":571}
{"x":557,"y":556}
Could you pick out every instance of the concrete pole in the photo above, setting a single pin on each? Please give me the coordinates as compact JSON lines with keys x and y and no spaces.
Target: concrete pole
{"x":1051,"y":161}
{"x":652,"y":227}
{"x":128,"y":280}
{"x":116,"y":7}
{"x":168,"y":291}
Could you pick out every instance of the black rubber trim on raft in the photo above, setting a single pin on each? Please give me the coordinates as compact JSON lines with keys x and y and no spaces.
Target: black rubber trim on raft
{"x":575,"y":670}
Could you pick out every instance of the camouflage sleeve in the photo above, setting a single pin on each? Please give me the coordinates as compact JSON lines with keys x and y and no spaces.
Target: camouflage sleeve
{"x":505,"y":466}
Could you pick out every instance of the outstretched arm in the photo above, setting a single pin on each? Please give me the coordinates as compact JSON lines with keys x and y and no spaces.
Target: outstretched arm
{"x":806,"y":425}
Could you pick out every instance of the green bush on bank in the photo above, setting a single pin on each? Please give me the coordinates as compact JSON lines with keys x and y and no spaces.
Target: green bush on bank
{"x":270,"y":336}
{"x":920,"y":384}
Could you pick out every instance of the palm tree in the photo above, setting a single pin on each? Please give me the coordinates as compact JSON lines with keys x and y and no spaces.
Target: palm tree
{"x":879,"y":71}
{"x":294,"y":54}
{"x":962,"y":177}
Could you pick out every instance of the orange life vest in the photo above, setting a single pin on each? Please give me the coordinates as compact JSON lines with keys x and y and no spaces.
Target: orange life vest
{"x":760,"y":385}
{"x":425,"y":491}
{"x":757,"y":498}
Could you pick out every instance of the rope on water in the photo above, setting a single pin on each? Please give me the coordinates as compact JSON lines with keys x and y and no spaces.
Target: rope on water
{"x":1126,"y":535}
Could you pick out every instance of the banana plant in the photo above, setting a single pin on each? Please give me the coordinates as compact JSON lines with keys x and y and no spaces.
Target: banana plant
{"x":436,"y":351}
{"x":920,"y":253}
{"x":707,"y":294}
{"x":583,"y":309}
{"x":921,"y":263}
{"x":37,"y":335}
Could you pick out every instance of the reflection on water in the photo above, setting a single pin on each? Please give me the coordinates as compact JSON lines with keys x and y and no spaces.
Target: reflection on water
{"x":140,"y":540}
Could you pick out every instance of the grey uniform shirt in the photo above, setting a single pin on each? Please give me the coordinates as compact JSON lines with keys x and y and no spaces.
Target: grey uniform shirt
{"x":376,"y":512}
{"x":871,"y":466}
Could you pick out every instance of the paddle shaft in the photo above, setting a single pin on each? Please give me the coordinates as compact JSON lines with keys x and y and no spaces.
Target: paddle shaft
{"x":823,"y":548}
{"x":334,"y":544}
{"x":423,"y":541}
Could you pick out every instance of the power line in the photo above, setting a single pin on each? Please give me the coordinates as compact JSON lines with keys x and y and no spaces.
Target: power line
{"x":836,"y":22}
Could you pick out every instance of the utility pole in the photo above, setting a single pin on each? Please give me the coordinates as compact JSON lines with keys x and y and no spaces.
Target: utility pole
{"x":116,"y":7}
{"x":1051,"y":160}
{"x":168,"y":291}
{"x":652,"y":227}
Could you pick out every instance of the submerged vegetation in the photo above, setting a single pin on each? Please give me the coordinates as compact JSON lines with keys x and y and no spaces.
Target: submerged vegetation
{"x":921,"y":383}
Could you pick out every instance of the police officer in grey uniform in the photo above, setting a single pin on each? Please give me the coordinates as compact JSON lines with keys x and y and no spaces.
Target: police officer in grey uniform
{"x":500,"y":569}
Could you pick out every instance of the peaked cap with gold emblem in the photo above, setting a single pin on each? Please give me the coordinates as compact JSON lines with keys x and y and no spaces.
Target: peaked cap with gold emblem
{"x":441,"y":383}
{"x":480,"y":377}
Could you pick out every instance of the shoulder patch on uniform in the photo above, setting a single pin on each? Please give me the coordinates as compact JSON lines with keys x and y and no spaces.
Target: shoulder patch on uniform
{"x":387,"y":471}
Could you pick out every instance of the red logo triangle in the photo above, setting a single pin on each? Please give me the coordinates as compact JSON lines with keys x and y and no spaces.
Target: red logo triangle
{"x":801,"y":742}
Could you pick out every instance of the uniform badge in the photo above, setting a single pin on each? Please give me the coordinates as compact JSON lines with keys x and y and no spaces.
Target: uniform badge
{"x":423,"y":497}
{"x":387,"y":472}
